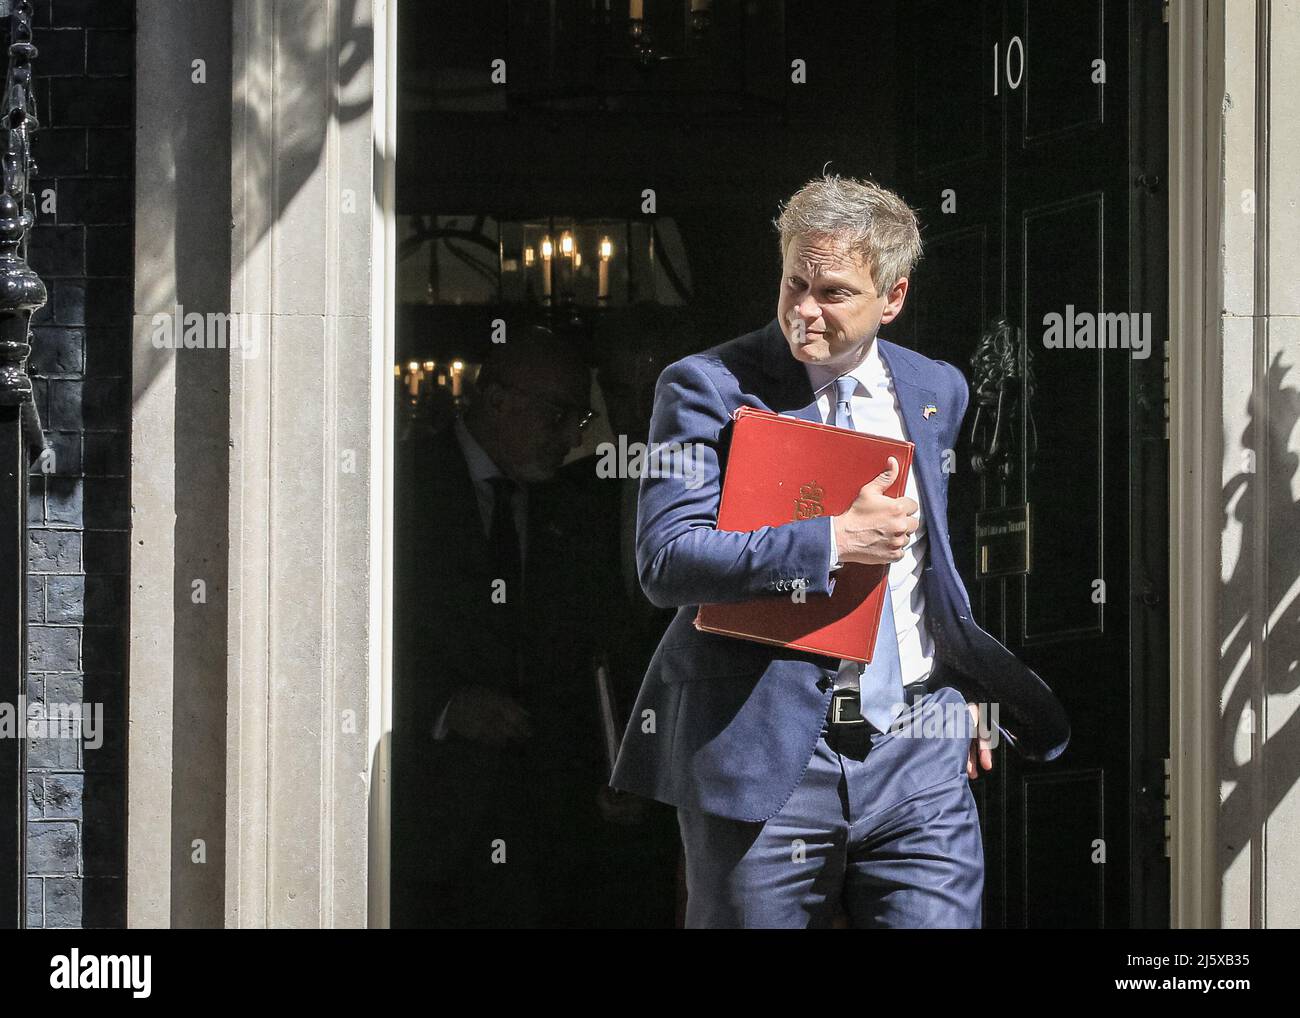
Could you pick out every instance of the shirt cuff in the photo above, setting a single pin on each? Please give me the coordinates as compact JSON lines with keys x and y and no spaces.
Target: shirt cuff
{"x":835,"y":551}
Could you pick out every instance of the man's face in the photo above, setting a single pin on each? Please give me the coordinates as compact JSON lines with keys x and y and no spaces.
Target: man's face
{"x":828,"y":306}
{"x":535,"y":421}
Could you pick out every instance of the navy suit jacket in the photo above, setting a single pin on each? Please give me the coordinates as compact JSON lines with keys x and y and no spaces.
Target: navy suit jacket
{"x":728,"y":726}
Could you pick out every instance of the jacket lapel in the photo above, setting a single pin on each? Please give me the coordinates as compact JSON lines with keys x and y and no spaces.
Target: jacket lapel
{"x":452,"y":499}
{"x":792,"y":394}
{"x":913,"y":396}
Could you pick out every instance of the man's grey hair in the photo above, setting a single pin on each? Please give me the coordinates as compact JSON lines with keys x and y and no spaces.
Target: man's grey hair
{"x":871,"y":221}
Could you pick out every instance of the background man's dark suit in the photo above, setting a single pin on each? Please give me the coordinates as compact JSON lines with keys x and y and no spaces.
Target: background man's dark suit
{"x":452,"y":797}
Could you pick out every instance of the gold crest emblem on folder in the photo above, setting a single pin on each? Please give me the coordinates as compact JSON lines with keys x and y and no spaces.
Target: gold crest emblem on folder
{"x":809,"y":502}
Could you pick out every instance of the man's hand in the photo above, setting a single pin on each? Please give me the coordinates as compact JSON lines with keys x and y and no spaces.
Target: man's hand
{"x":875,"y":528}
{"x":487,"y":715}
{"x":979,"y":746}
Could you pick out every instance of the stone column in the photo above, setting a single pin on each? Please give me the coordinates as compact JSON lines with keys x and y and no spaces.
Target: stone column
{"x":258,"y":463}
{"x":1258,"y":632}
{"x":1235,"y":376}
{"x":179,"y":424}
{"x":307,"y":405}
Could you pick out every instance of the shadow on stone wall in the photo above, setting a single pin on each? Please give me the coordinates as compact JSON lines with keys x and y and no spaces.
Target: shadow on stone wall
{"x":1261,"y":616}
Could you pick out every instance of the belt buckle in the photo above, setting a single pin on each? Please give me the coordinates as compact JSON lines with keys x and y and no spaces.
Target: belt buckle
{"x":838,"y":702}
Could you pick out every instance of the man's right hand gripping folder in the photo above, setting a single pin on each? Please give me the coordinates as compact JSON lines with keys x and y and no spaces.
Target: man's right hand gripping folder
{"x":782,"y":469}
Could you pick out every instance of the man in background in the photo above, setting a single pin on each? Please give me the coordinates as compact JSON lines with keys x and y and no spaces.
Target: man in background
{"x":508,"y":599}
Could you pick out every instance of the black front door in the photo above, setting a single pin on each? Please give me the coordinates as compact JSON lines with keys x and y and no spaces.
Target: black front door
{"x":1031,"y":141}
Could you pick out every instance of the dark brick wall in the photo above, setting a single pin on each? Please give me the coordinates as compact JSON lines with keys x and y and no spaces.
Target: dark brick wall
{"x":79,"y":514}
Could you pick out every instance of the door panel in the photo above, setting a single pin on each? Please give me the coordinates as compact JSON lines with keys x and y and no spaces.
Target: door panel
{"x":1063,"y":256}
{"x":1061,"y":97}
{"x":1063,"y":887}
{"x":950,"y":124}
{"x":1025,"y":184}
{"x":956,"y":305}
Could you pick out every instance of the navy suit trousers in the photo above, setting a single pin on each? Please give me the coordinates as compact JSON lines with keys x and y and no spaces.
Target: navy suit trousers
{"x":882,"y":827}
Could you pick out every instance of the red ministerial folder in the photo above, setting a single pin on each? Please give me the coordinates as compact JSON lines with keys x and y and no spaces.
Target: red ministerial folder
{"x":782,"y":469}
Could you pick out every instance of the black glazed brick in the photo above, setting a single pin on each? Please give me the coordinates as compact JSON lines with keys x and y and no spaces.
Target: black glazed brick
{"x":54,"y":551}
{"x":63,"y":458}
{"x":106,"y":455}
{"x":53,"y":648}
{"x":109,"y":52}
{"x":103,"y":102}
{"x":58,"y":350}
{"x":63,"y":500}
{"x":35,"y":599}
{"x":109,"y":300}
{"x":105,"y":404}
{"x":52,"y":847}
{"x":59,"y":151}
{"x":95,"y":13}
{"x":109,"y":252}
{"x":65,"y":404}
{"x":78,"y":538}
{"x":106,"y":551}
{"x":93,"y":201}
{"x":59,"y":51}
{"x":69,"y":302}
{"x":66,"y":599}
{"x":104,"y":900}
{"x":109,"y":151}
{"x":54,"y":251}
{"x":108,"y":353}
{"x":103,"y":648}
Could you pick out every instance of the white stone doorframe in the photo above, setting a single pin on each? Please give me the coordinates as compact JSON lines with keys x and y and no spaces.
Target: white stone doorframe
{"x":384,"y":315}
{"x":1193,"y":459}
{"x":1234,"y":300}
{"x":313,"y":257}
{"x":259,"y":718}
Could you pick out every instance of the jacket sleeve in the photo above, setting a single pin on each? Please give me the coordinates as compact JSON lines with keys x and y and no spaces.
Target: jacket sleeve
{"x":958,"y":396}
{"x":682,"y":559}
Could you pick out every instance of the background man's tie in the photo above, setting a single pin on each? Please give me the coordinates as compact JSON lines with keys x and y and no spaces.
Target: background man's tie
{"x":504,"y":538}
{"x":880,"y":683}
{"x":508,"y":566}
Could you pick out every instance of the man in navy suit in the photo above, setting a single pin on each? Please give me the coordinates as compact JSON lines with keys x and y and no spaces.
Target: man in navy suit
{"x":806,"y":786}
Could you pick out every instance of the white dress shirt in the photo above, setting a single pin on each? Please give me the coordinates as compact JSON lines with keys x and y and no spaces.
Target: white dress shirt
{"x":875,"y":411}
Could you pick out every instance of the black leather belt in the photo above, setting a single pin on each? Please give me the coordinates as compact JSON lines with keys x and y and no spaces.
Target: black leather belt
{"x":845,"y":709}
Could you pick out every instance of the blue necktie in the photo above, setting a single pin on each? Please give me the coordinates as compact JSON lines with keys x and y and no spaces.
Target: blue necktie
{"x":881,"y":682}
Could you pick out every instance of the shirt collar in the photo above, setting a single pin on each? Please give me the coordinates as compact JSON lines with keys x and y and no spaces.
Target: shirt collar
{"x":481,"y":467}
{"x":870,"y":372}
